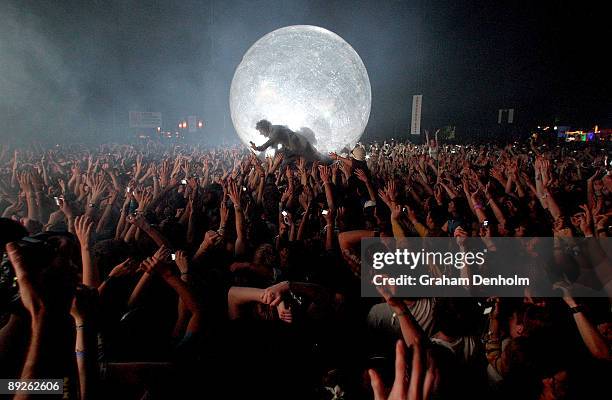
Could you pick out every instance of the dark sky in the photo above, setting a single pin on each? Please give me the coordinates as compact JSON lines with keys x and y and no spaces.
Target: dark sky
{"x":73,"y":69}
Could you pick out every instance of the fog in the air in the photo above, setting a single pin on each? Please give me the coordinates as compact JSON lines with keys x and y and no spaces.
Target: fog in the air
{"x":72,"y":70}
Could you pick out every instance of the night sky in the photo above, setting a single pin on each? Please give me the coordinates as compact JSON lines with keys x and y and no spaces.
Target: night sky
{"x":71,"y":69}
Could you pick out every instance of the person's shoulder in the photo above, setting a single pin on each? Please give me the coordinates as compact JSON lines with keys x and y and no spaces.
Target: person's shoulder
{"x":281,"y":129}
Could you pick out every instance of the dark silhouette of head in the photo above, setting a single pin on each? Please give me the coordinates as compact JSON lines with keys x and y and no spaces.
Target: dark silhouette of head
{"x":10,"y":231}
{"x":264,"y":127}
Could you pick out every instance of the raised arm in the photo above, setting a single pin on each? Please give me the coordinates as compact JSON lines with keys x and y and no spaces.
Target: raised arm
{"x":162,"y":267}
{"x":349,"y":239}
{"x":83,"y":226}
{"x":411,"y":330}
{"x":211,"y":239}
{"x":364,"y":178}
{"x":107,"y":212}
{"x":329,"y":229}
{"x":499,"y":215}
{"x":83,"y":312}
{"x":50,"y":352}
{"x":590,"y":191}
{"x":594,"y":341}
{"x":325,"y":174}
{"x":99,"y":188}
{"x":237,"y":296}
{"x":235,"y":194}
{"x":148,"y":266}
{"x":139,"y":221}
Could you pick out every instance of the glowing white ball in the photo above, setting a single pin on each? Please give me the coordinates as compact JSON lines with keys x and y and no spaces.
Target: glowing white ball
{"x":302,"y":76}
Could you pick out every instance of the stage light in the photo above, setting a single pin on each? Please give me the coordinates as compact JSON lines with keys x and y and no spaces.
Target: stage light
{"x":304,"y":77}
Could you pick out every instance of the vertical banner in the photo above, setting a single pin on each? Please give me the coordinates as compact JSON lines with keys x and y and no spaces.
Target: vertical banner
{"x":415,"y":126}
{"x":500,"y":116}
{"x":511,"y":115}
{"x":191,"y":123}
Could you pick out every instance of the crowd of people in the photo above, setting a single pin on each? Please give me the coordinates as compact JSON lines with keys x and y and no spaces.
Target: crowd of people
{"x":159,"y":271}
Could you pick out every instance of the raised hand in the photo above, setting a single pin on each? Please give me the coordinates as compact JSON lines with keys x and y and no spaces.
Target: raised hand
{"x":385,"y":198}
{"x":83,"y":228}
{"x":391,"y":191}
{"x":361,"y":175}
{"x":566,"y":288}
{"x":476,"y":197}
{"x":75,"y":169}
{"x":287,"y":195}
{"x":346,"y":170}
{"x":417,"y":386}
{"x":185,"y":168}
{"x":224,"y":214}
{"x":306,"y":199}
{"x":601,"y":224}
{"x":438,"y":194}
{"x":182,"y":261}
{"x":113,"y":194}
{"x":84,"y":304}
{"x":176,"y":169}
{"x":396,"y":211}
{"x":36,"y":181}
{"x":460,"y":236}
{"x":278,"y":159}
{"x":25,"y":182}
{"x":143,"y":199}
{"x":211,"y":239}
{"x":164,"y":173}
{"x":234,"y":193}
{"x":314,"y":169}
{"x":62,"y":184}
{"x":65,"y":207}
{"x":98,"y":189}
{"x":289,"y":175}
{"x":334,"y":170}
{"x":301,"y":165}
{"x":139,"y":220}
{"x":126,"y":268}
{"x":560,"y":230}
{"x":324,"y":173}
{"x":585,"y":221}
{"x":161,"y":261}
{"x":138,"y":166}
{"x":150,"y":172}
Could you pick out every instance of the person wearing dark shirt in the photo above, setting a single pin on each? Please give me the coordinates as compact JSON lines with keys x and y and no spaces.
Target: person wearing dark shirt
{"x":294,"y":145}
